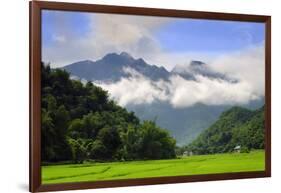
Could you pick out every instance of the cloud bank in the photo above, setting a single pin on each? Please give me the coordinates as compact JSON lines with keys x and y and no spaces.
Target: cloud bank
{"x":247,"y":67}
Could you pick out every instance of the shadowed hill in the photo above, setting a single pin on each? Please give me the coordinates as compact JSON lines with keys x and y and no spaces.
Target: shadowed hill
{"x":235,"y":127}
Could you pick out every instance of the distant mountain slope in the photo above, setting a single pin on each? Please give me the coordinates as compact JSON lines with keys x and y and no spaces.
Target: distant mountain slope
{"x":111,"y":68}
{"x":235,"y":127}
{"x":185,"y":124}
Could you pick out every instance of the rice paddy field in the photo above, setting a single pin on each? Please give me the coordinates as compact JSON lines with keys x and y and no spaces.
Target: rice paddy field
{"x":198,"y":164}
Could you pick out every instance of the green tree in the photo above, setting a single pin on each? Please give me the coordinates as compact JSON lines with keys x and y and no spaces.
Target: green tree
{"x":98,"y":151}
{"x":48,"y":136}
{"x":110,"y":138}
{"x":156,"y":142}
{"x":78,"y":150}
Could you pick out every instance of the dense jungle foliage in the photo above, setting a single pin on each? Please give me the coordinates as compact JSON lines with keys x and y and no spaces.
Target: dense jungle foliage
{"x":80,"y":122}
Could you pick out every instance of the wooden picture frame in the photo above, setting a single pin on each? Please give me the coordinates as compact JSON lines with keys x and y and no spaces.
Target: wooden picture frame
{"x":35,"y":93}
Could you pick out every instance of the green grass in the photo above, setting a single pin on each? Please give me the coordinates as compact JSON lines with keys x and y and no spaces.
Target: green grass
{"x":200,"y":164}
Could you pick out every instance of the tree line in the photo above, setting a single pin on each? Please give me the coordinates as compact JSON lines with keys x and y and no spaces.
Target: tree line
{"x":80,"y":122}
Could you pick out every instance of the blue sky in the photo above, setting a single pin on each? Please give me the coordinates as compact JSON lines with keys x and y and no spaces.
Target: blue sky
{"x":72,"y":36}
{"x":209,"y":35}
{"x":78,"y":22}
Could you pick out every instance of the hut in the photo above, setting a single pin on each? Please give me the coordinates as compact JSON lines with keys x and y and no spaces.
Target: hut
{"x":187,"y":153}
{"x":237,"y":149}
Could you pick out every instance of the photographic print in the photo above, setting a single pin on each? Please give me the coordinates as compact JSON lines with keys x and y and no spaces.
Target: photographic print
{"x":133,"y":96}
{"x":139,"y":96}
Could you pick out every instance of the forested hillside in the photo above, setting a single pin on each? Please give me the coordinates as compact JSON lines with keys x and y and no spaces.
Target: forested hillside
{"x":80,"y":122}
{"x":235,"y":127}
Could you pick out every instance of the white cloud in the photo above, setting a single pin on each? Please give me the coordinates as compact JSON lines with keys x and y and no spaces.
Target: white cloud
{"x":107,"y":34}
{"x":209,"y":91}
{"x":247,"y":67}
{"x":136,"y":89}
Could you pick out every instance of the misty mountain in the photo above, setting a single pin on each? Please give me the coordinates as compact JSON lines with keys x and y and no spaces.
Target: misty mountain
{"x":190,"y":71}
{"x":185,"y":124}
{"x":111,"y":68}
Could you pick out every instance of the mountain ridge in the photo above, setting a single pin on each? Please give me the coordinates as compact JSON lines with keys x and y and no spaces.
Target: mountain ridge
{"x":110,"y":68}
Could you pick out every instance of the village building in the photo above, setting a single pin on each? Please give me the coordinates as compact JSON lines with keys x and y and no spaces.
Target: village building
{"x":237,"y":149}
{"x":187,"y":153}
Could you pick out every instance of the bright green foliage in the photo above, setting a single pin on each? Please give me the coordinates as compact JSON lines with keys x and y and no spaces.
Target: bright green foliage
{"x":97,"y":150}
{"x":78,"y":150}
{"x":80,"y":122}
{"x":198,"y":164}
{"x":235,"y":127}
